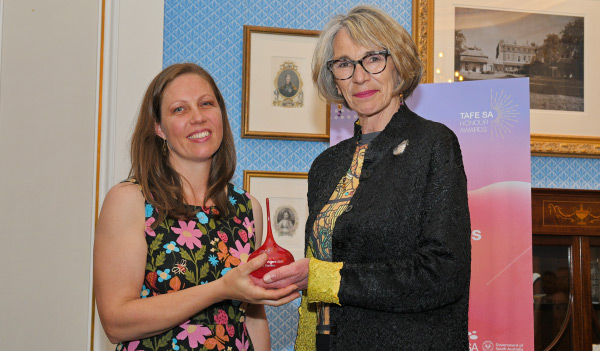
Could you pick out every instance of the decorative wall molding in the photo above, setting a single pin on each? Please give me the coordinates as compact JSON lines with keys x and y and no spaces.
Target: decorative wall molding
{"x":565,"y":146}
{"x":105,"y":135}
{"x":422,"y":32}
{"x":107,"y":120}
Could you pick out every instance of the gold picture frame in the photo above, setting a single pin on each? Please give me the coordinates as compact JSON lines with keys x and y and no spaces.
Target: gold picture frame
{"x":541,"y":144}
{"x":279,"y":100}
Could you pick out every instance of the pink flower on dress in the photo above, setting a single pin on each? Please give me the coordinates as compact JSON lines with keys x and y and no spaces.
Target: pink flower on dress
{"x":194,"y":333}
{"x":242,"y":252}
{"x":249,"y":227}
{"x":243,"y":344}
{"x":149,"y":229}
{"x":132,"y":346}
{"x":188,"y":234}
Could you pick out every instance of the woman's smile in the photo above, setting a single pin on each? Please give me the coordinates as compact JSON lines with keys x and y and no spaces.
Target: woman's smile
{"x":365,"y":94}
{"x":199,"y":135}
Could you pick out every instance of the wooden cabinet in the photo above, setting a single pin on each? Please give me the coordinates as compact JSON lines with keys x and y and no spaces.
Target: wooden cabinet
{"x":566,"y":269}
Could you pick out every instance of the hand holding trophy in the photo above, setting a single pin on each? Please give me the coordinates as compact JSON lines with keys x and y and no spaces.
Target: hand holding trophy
{"x":277,"y":256}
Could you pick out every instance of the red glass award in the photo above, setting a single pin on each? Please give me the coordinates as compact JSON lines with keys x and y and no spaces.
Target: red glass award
{"x":277,"y":256}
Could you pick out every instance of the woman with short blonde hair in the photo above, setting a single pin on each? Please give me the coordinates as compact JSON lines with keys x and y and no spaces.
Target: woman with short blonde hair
{"x":368,"y":26}
{"x":388,"y":231}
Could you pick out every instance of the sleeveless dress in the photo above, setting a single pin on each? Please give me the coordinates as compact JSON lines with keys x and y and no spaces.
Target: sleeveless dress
{"x":186,"y":253}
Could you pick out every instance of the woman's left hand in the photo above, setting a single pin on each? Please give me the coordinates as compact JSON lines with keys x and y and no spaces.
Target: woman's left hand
{"x":295,"y":273}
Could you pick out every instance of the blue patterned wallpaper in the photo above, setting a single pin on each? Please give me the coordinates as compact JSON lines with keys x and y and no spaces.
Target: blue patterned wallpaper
{"x":210,"y":33}
{"x":565,"y":173}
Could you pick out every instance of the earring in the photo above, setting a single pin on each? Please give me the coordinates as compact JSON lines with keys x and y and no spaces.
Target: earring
{"x":339,"y":111}
{"x":164,"y":147}
{"x":401,"y":99}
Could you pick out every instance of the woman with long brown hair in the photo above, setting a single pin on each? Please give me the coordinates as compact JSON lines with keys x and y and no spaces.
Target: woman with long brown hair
{"x":171,"y":267}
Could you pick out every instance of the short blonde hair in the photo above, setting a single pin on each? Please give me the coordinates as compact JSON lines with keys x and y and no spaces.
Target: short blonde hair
{"x":368,"y":27}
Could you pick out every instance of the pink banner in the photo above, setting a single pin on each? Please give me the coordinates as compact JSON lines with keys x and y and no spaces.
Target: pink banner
{"x":491,"y":120}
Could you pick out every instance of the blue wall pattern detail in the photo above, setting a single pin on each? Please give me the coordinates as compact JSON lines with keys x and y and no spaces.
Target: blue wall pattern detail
{"x":565,"y":173}
{"x":210,"y":33}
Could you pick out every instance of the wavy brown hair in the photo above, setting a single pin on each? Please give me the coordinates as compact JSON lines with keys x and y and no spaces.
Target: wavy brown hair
{"x":162,"y":185}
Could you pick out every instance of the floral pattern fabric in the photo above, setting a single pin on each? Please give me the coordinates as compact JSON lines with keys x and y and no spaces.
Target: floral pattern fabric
{"x":320,"y":240}
{"x":319,"y":247}
{"x":186,"y":253}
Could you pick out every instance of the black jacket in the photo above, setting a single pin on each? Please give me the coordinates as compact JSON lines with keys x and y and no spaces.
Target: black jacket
{"x":404,"y":239}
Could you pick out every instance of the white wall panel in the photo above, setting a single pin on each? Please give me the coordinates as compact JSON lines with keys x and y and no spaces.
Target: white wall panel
{"x":48,"y":94}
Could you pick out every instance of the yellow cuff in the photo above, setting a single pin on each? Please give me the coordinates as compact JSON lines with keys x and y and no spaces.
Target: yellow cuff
{"x":324,"y":281}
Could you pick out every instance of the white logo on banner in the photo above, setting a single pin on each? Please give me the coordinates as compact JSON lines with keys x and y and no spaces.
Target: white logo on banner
{"x":506,"y":113}
{"x":488,"y":346}
{"x":499,"y":120}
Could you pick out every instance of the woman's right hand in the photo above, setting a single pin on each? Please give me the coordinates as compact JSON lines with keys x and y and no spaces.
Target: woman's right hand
{"x":293,"y":274}
{"x":238,"y":284}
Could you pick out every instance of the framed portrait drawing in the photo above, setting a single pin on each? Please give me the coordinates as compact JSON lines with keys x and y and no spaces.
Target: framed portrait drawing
{"x":279,"y":100}
{"x":553,"y":44}
{"x":287,"y":199}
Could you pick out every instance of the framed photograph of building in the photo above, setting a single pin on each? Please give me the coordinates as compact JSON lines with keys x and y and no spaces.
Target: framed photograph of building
{"x":554,"y":46}
{"x":279,"y":100}
{"x":289,"y":210}
{"x":546,"y":48}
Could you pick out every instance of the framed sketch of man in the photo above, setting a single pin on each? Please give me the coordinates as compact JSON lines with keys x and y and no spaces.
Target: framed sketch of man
{"x":288,"y":86}
{"x":288,"y":83}
{"x":276,"y":102}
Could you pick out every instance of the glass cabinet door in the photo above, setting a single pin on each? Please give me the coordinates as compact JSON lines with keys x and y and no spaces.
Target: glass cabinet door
{"x":552,"y":290}
{"x":566,"y":269}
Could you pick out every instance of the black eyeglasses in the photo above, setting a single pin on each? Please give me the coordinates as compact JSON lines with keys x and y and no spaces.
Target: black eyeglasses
{"x":373,"y":63}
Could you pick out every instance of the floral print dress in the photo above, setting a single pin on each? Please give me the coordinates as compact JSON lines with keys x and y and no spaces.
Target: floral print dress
{"x":186,"y":253}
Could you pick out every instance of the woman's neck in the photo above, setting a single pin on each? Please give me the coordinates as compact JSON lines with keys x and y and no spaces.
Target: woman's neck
{"x":194,"y":181}
{"x":378,"y":121}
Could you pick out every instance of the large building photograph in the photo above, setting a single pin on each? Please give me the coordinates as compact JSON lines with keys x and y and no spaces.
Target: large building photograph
{"x":491,"y":44}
